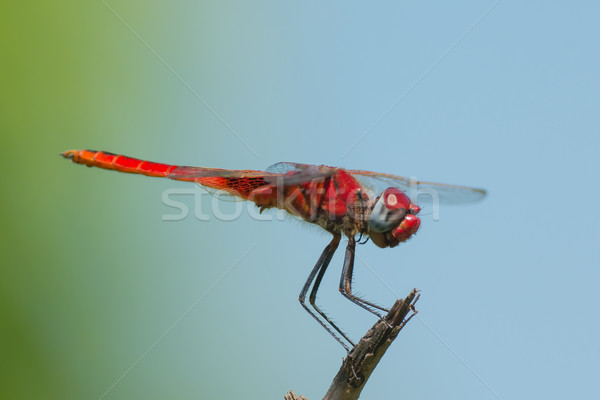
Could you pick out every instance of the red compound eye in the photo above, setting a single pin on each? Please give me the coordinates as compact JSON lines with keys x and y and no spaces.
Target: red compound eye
{"x":394,"y":198}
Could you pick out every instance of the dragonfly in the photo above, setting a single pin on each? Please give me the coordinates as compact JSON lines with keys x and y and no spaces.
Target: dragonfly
{"x":341,"y":201}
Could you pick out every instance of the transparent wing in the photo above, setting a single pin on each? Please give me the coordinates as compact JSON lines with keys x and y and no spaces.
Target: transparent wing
{"x":280,"y":174}
{"x":208,"y":179}
{"x":287,"y":173}
{"x":292,"y":173}
{"x":181,"y":173}
{"x":420,"y":191}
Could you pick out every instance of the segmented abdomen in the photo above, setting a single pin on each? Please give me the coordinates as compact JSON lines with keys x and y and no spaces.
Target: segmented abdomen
{"x":241,"y":187}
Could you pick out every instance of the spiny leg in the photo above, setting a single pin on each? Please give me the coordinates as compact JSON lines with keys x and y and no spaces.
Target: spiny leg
{"x":320,"y":268}
{"x":346,"y":281}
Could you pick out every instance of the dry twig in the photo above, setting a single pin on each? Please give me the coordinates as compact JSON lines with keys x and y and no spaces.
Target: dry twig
{"x":362,"y":360}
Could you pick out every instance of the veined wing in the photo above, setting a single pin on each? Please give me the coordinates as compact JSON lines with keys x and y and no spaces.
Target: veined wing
{"x":224,"y":184}
{"x":234,"y":185}
{"x":287,"y":173}
{"x":294,"y":173}
{"x":191,"y":173}
{"x":416,"y":189}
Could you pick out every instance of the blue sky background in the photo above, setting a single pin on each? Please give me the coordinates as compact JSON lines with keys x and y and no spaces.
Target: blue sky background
{"x":93,"y":279}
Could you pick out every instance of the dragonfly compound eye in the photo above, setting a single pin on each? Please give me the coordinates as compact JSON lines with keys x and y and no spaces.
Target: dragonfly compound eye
{"x":389,"y":210}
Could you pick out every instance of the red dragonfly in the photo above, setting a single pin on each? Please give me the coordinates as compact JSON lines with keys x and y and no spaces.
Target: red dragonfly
{"x":338,"y":200}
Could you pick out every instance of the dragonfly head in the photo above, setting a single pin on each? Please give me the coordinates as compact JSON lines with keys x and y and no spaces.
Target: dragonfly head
{"x":393,"y":218}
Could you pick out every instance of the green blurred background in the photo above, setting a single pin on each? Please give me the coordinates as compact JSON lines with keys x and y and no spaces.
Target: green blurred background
{"x":87,"y":270}
{"x":100,"y":298}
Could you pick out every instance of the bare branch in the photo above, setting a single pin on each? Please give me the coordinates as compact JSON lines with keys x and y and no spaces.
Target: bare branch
{"x":360,"y":363}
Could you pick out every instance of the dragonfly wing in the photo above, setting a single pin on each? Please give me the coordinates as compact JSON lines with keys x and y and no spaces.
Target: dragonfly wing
{"x":285,"y":167}
{"x":283,"y":173}
{"x":181,"y":173}
{"x":421,"y":191}
{"x":224,"y":184}
{"x":288,"y":174}
{"x":228,"y":184}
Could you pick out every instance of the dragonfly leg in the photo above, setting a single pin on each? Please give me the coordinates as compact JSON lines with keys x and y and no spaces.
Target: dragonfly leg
{"x":346,"y":281}
{"x":313,"y":297}
{"x":319,"y":271}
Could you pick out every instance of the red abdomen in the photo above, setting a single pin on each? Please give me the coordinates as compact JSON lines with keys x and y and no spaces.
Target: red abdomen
{"x":237,"y":186}
{"x":117,"y":162}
